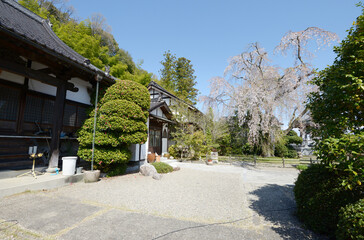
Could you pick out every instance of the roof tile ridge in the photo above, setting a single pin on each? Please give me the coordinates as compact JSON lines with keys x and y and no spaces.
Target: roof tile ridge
{"x":23,"y":9}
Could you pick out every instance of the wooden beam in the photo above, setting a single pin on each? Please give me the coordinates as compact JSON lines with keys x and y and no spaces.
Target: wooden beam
{"x":57,"y":125}
{"x":34,"y":74}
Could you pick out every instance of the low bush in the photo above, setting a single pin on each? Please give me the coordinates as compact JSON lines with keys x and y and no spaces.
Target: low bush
{"x":351,"y":221}
{"x":319,"y":196}
{"x":291,"y":153}
{"x":301,"y":167}
{"x":174,"y":151}
{"x":162,"y":167}
{"x":116,"y":170}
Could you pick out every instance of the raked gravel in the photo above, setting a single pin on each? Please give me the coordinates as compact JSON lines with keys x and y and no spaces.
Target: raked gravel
{"x":257,"y":201}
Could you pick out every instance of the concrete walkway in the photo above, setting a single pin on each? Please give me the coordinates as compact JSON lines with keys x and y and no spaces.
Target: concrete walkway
{"x":197,"y":202}
{"x":14,"y":185}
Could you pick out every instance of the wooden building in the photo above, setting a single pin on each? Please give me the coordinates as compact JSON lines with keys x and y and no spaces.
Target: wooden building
{"x":45,"y":88}
{"x":160,"y":118}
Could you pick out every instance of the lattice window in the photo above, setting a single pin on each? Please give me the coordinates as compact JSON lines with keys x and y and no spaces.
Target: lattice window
{"x":48,"y":111}
{"x":33,"y":109}
{"x":69,"y":116}
{"x":9,"y":103}
{"x":81,"y":116}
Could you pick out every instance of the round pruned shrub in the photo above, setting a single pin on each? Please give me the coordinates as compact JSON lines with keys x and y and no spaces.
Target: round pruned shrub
{"x":162,"y":167}
{"x":130,"y":91}
{"x":351,"y":221}
{"x":121,"y":121}
{"x":319,"y":196}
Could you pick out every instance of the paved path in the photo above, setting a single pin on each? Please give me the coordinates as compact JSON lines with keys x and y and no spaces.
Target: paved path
{"x":197,"y":202}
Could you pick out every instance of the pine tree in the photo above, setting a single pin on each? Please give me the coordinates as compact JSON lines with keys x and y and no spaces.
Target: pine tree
{"x":185,"y":80}
{"x":177,"y":76}
{"x":168,"y":72}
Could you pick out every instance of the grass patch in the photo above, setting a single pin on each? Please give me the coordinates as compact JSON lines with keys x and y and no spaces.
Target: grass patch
{"x":162,"y":167}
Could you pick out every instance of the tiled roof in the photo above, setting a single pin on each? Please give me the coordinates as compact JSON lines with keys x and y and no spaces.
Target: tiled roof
{"x":20,"y":21}
{"x":156,"y":85}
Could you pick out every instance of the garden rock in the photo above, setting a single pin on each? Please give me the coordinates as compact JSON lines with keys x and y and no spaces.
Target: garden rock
{"x":177,"y":168}
{"x":157,"y":176}
{"x":148,"y":170}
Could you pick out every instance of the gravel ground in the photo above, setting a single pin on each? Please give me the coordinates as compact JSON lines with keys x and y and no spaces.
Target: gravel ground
{"x":220,"y":201}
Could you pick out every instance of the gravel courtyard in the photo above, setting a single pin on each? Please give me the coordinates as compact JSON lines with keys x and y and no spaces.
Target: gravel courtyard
{"x":197,"y":202}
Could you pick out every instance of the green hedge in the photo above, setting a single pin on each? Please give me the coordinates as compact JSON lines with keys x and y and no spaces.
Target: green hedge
{"x":162,"y":167}
{"x":319,"y":196}
{"x":104,"y":156}
{"x":351,"y":221}
{"x":130,"y":91}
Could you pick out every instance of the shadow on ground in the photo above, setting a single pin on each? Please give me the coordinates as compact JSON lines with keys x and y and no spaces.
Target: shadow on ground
{"x":275,"y":203}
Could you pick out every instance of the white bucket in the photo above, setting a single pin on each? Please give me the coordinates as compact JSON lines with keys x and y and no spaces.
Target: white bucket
{"x":68,"y":165}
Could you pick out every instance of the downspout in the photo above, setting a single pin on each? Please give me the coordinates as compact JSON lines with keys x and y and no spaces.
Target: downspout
{"x":98,"y":78}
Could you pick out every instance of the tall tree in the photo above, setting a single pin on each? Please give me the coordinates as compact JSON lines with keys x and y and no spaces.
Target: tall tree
{"x":177,"y":76}
{"x":168,"y":72}
{"x":185,"y":80}
{"x":261,"y":92}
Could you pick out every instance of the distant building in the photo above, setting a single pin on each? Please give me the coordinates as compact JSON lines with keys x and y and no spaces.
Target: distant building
{"x":160,"y":118}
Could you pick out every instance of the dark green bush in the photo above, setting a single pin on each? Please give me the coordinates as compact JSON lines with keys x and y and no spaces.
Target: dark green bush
{"x":121,"y":121}
{"x":280,"y":149}
{"x":116,"y":169}
{"x":130,"y":91}
{"x":291,"y":153}
{"x":319,"y":196}
{"x":162,"y":167}
{"x":174,"y":151}
{"x":351,"y":221}
{"x":283,"y":146}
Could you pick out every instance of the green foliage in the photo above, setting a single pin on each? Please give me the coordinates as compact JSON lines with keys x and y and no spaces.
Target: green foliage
{"x":168,"y":72}
{"x":186,"y":81}
{"x":98,"y":45}
{"x":130,"y":91}
{"x":216,"y":133}
{"x":293,"y":138}
{"x":283,"y":146}
{"x":120,"y":122}
{"x":162,"y":167}
{"x":190,"y":141}
{"x":196,"y":144}
{"x":344,"y":156}
{"x":104,"y":156}
{"x":291,"y":153}
{"x":177,"y":76}
{"x":115,"y":170}
{"x":174,"y":151}
{"x":338,"y":109}
{"x":351,"y":221}
{"x":319,"y":197}
{"x":239,"y":136}
{"x":281,"y":149}
{"x":301,"y":167}
{"x":339,"y":104}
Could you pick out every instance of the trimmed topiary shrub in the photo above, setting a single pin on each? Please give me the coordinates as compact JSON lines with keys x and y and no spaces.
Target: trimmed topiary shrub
{"x":121,"y":121}
{"x":130,"y":91}
{"x":162,"y":167}
{"x":319,"y":196}
{"x":351,"y":221}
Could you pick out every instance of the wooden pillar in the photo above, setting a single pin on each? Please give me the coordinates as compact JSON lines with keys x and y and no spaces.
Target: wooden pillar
{"x":57,"y":124}
{"x":22,"y":103}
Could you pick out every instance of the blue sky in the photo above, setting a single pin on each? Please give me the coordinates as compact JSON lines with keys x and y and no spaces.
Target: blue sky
{"x":208,"y":32}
